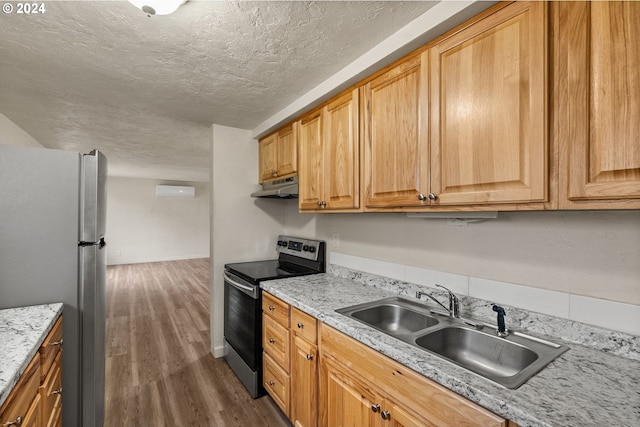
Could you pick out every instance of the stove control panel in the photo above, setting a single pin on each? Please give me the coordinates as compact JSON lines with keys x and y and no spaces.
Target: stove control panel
{"x":302,"y":248}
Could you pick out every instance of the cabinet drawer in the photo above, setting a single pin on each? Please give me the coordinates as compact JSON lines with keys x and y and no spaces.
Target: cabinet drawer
{"x":50,"y":348}
{"x":19,"y":401}
{"x":276,"y":341}
{"x":51,"y":389}
{"x":34,"y":415}
{"x":304,"y":325}
{"x":276,"y":309}
{"x":55,"y":417}
{"x":276,"y":382}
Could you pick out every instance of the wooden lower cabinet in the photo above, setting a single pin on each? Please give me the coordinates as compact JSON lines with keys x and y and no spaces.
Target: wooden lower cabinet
{"x":36,"y":400}
{"x":328,"y":379}
{"x":276,"y":382}
{"x":361,"y":387}
{"x":345,"y":401}
{"x":304,"y":378}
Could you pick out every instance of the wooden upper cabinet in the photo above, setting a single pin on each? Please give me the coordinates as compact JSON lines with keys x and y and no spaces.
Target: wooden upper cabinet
{"x":598,"y":91}
{"x":396,"y":158}
{"x":287,"y":151}
{"x":311,"y":183}
{"x":268,"y":158}
{"x":329,"y":156}
{"x":489,"y":110}
{"x":278,"y":154}
{"x":342,"y":172}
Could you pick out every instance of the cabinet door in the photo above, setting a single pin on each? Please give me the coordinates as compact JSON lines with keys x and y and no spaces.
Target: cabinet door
{"x":311,"y":162}
{"x":341,"y":153}
{"x":344,"y":402}
{"x":488,"y":110}
{"x":599,"y":118}
{"x":400,"y":417}
{"x":304,"y":383}
{"x":287,"y":152}
{"x":268,"y":157}
{"x":396,"y":158}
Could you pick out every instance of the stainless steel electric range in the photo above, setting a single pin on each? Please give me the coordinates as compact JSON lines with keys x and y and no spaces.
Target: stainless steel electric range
{"x":243,"y":302}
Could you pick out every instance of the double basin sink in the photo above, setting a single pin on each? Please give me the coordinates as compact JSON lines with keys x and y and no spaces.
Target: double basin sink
{"x":508,"y":361}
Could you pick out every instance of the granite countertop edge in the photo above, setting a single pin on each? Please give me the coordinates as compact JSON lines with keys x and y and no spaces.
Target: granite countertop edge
{"x":22,"y":331}
{"x":562,"y":394}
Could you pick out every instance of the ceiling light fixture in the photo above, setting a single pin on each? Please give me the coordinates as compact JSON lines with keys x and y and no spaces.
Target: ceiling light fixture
{"x":157,"y":7}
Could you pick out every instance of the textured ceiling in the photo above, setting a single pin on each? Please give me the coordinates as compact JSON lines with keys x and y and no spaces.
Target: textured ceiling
{"x":101,"y":74}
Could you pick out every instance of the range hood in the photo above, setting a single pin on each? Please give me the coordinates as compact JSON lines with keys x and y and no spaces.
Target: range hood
{"x":286,"y":188}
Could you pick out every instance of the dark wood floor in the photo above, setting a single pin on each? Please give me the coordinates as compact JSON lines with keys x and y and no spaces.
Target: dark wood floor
{"x":159,"y":369}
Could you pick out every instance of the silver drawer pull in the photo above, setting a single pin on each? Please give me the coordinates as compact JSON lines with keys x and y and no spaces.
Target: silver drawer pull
{"x":272,"y":340}
{"x":271,"y":308}
{"x":385,"y":415}
{"x":300,"y":325}
{"x":59,"y":391}
{"x":272,"y":383}
{"x":58,"y":342}
{"x":16,"y":422}
{"x":309,"y":356}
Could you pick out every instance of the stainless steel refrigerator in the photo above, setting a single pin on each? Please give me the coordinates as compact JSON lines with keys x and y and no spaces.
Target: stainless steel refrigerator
{"x":52,"y":249}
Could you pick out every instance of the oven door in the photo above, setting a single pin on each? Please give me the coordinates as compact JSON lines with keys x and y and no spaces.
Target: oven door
{"x":242,"y":319}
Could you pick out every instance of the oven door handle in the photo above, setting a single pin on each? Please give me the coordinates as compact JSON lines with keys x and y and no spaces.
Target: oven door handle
{"x":250,"y":290}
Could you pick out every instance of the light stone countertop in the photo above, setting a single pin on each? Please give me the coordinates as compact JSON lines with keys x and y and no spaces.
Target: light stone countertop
{"x":583,"y":387}
{"x":22,"y":331}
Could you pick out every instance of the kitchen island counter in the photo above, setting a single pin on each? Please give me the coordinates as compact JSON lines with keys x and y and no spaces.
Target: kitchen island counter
{"x":22,"y":331}
{"x":583,"y":387}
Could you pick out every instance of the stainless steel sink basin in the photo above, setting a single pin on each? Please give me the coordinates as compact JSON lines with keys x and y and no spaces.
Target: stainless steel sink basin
{"x":484,"y":354}
{"x":509,"y":361}
{"x":395,"y":316}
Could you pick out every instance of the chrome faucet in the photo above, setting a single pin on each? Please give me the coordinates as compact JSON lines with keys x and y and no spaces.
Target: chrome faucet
{"x":454,"y":302}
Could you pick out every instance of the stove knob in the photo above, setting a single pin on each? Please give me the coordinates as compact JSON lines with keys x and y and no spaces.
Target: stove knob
{"x":312,"y":249}
{"x":305,"y":248}
{"x":285,"y":243}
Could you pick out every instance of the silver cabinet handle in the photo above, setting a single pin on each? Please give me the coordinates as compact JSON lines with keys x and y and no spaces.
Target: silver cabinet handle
{"x":309,"y":356}
{"x":385,"y":415}
{"x":300,"y":325}
{"x":433,"y":196}
{"x":59,"y":391}
{"x":271,"y":308}
{"x":58,"y":342}
{"x":422,"y":197}
{"x":272,"y":383}
{"x":375,"y":407}
{"x":272,"y":340}
{"x":16,"y":422}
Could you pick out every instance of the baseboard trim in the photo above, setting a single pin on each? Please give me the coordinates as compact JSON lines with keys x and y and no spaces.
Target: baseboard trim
{"x":159,"y":259}
{"x":219,"y":351}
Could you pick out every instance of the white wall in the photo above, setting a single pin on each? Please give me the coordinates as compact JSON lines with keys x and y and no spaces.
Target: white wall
{"x":242,"y":228}
{"x":144,"y":228}
{"x":594,"y":254}
{"x":12,"y":134}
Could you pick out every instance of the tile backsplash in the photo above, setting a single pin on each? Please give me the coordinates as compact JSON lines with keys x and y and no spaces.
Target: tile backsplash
{"x":592,"y":311}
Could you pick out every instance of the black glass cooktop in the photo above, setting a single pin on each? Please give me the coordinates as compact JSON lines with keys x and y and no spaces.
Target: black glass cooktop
{"x":257,"y":271}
